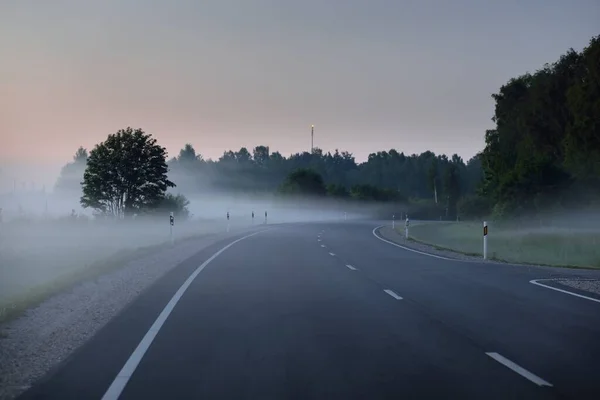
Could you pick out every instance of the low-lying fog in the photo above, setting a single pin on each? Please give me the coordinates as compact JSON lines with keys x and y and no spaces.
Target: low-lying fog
{"x":45,"y":235}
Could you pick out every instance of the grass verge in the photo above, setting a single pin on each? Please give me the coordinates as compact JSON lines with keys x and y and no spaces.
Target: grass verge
{"x":19,"y":304}
{"x":553,"y":247}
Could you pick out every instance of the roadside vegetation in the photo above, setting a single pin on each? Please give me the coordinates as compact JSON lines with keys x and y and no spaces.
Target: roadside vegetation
{"x":540,"y":171}
{"x":507,"y":242}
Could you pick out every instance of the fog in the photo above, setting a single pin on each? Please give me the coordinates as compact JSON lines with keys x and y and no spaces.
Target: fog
{"x":45,"y":236}
{"x":24,"y":176}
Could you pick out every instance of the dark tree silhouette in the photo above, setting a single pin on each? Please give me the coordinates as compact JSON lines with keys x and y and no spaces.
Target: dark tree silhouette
{"x":125,"y":174}
{"x":304,"y":181}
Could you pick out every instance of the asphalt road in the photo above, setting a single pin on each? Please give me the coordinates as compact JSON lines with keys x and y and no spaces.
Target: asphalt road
{"x":326,"y":311}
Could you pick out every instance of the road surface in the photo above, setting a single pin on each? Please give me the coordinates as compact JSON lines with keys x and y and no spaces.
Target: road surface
{"x":324,"y":311}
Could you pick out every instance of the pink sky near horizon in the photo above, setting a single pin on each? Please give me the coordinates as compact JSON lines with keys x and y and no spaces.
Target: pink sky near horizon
{"x":225,"y":74}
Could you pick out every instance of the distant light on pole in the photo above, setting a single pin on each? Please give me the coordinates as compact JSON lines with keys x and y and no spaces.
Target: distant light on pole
{"x":312,"y":139}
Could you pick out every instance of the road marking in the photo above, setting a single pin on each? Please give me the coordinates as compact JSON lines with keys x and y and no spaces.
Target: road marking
{"x":393,"y":294}
{"x":408,"y":248}
{"x":118,"y":384}
{"x":351,"y":267}
{"x":519,"y":370}
{"x":318,"y":240}
{"x":332,"y":254}
{"x":535,"y":282}
{"x":322,"y":245}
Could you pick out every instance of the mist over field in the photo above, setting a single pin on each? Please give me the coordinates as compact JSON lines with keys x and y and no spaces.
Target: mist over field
{"x":47,"y":235}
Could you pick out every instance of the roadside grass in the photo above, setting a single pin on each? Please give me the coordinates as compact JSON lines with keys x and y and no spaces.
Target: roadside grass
{"x":547,"y":246}
{"x":14,"y":307}
{"x":33,"y":296}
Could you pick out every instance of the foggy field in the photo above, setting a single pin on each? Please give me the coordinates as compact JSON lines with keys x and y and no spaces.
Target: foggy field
{"x":557,"y":246}
{"x":38,"y":253}
{"x":33,"y":254}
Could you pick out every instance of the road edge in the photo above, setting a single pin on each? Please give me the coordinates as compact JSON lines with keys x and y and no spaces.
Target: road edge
{"x":122,"y":378}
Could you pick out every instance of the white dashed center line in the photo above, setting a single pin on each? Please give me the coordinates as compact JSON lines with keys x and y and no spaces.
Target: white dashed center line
{"x":332,"y":254}
{"x":393,"y":294}
{"x":519,"y":370}
{"x":350,"y":267}
{"x":322,"y":245}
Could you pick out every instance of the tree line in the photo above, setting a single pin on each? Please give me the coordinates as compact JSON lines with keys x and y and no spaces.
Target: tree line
{"x":544,"y":153}
{"x":385,"y":176}
{"x":545,"y":150}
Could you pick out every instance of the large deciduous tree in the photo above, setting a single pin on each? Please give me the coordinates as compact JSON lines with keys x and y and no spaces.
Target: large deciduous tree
{"x":125,"y":174}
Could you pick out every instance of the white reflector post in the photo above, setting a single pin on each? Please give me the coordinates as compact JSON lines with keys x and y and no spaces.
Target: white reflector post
{"x":485,"y":235}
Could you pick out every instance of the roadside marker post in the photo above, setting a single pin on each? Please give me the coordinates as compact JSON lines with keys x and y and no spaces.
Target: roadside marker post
{"x":227,"y":221}
{"x":406,"y":227}
{"x":252,"y":217}
{"x":345,"y":216}
{"x":393,"y":221}
{"x":171,"y":223}
{"x":485,"y":244}
{"x":265,"y":217}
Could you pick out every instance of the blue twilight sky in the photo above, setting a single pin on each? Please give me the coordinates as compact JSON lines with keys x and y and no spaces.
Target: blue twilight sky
{"x":221,"y":74}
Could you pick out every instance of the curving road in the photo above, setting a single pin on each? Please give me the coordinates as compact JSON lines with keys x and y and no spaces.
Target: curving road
{"x":326,"y":311}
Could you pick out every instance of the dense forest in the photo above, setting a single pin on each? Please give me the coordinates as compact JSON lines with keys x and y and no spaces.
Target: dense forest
{"x":543,"y":154}
{"x":545,"y":150}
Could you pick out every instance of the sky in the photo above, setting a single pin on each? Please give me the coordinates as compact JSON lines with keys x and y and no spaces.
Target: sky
{"x":221,"y":74}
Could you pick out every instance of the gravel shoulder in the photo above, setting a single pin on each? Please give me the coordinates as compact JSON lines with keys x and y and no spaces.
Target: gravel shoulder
{"x":45,"y":335}
{"x":586,"y":285}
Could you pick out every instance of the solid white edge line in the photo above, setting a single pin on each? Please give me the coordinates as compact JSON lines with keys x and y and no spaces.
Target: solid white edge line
{"x":535,"y":282}
{"x":392,"y":293}
{"x":332,"y":254}
{"x":350,"y":267}
{"x":120,"y":381}
{"x":519,"y":370}
{"x":408,"y":248}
